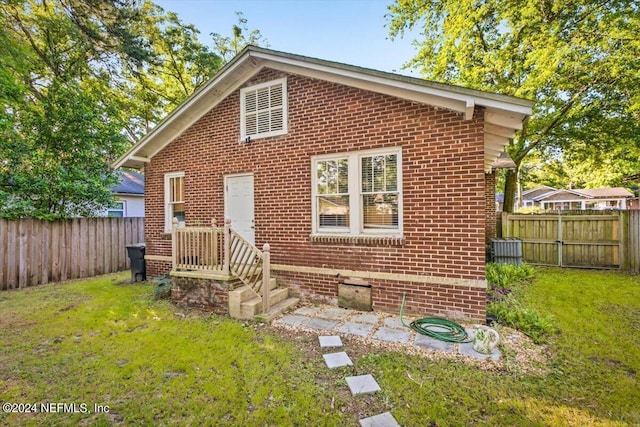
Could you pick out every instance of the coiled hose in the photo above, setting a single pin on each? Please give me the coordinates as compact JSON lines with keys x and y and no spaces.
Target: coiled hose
{"x":435,"y":327}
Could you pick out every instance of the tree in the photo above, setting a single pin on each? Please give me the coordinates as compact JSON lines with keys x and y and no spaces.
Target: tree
{"x":228,"y":47}
{"x":58,"y":129}
{"x":181,"y":64}
{"x":76,"y":77}
{"x":579,"y":61}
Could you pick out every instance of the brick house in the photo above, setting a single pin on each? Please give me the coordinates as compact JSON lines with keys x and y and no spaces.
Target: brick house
{"x":347,"y":173}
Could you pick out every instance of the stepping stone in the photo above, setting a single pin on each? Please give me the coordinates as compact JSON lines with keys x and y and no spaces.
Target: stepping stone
{"x":381,"y":420}
{"x":430,"y":343}
{"x":335,"y":313}
{"x":394,"y":322}
{"x":330,"y":341}
{"x":321,"y":324}
{"x":392,"y":335}
{"x":362,"y":384}
{"x":307,"y":311}
{"x":293,"y":320}
{"x":370,"y":318}
{"x":359,"y":329}
{"x":337,"y":360}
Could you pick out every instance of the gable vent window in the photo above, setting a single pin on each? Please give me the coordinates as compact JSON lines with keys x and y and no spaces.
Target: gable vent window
{"x":263,"y":110}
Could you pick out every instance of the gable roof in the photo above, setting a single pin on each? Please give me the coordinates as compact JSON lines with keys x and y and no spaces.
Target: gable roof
{"x":130,"y":183}
{"x":503,"y":115}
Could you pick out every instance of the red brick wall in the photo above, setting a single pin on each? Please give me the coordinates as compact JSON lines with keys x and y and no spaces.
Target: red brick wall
{"x":443,"y":185}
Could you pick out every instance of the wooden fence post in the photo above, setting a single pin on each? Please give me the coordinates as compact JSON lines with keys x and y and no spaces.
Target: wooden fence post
{"x":266,"y":276}
{"x":226,"y":266}
{"x":174,"y":243}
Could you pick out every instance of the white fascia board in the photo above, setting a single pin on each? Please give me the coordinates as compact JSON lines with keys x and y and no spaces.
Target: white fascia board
{"x":326,"y":70}
{"x":438,"y":98}
{"x":504,"y":119}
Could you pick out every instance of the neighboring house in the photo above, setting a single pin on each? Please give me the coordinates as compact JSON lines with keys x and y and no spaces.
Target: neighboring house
{"x":129,"y":195}
{"x":346,"y":172}
{"x":549,"y":198}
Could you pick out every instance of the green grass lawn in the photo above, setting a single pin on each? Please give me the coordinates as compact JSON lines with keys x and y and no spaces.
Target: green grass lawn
{"x":99,"y":342}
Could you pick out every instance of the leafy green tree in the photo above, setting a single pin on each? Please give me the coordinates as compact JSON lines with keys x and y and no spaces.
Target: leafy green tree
{"x":579,"y":61}
{"x":181,"y":64}
{"x":56,"y":166}
{"x":228,"y":47}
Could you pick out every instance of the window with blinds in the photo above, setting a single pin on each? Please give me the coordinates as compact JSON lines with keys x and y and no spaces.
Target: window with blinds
{"x":174,"y":199}
{"x":263,"y":110}
{"x":379,"y":191}
{"x":358,"y":193}
{"x":332,"y":189}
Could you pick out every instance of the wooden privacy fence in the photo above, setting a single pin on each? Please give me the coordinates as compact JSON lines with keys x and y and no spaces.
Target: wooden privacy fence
{"x":587,"y":239}
{"x":34,"y":252}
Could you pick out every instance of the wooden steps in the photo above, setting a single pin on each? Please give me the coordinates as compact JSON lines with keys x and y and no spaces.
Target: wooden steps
{"x":245,"y":304}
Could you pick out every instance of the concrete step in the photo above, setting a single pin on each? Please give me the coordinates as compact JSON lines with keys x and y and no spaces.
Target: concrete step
{"x":279,"y":308}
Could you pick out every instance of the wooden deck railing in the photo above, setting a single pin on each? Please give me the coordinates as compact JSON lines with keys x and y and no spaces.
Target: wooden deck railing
{"x":221,"y":250}
{"x":198,"y":248}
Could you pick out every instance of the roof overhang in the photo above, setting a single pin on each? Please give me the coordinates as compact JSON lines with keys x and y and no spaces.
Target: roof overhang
{"x":503,"y":115}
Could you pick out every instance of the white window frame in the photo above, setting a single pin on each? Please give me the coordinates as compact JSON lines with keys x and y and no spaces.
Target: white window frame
{"x":243,"y":116}
{"x":356,"y":221}
{"x":167,"y":209}
{"x":123,"y":209}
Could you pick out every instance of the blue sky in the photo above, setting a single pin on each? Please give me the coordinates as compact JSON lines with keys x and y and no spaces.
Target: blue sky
{"x":347,"y":31}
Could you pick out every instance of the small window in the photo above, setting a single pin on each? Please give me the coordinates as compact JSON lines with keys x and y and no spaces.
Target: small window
{"x":263,"y":110}
{"x":117,"y":210}
{"x":174,"y":199}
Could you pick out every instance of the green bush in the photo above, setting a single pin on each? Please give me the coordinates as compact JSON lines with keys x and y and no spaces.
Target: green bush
{"x":507,"y":275}
{"x":505,"y":306}
{"x":510,"y":312}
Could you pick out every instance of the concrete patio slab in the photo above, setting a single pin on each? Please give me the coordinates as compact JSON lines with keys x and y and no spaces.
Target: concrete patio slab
{"x":307,"y":311}
{"x":321,"y":324}
{"x":392,"y":335}
{"x":369,"y":318}
{"x":335,"y":313}
{"x":359,"y":329}
{"x":362,"y":384}
{"x":381,"y":420}
{"x":429,"y":343}
{"x":330,"y":341}
{"x":394,"y":322}
{"x":293,"y":320}
{"x":337,"y":360}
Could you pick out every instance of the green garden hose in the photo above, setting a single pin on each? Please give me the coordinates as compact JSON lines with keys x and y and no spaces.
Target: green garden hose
{"x":435,"y":327}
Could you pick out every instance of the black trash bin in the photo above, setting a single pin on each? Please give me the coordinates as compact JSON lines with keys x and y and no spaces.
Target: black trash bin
{"x":136,"y":256}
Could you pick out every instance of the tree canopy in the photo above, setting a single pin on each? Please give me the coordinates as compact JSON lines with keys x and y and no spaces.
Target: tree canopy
{"x":79,"y":82}
{"x":579,"y":60}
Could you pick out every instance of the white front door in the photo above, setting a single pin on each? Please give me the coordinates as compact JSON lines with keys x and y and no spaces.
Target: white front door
{"x":238,"y":205}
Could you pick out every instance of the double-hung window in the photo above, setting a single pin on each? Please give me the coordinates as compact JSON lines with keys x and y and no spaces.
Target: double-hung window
{"x":358,"y":193}
{"x":263,"y":110}
{"x":174,"y":199}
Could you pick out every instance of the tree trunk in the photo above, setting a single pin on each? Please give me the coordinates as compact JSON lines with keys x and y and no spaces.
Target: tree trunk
{"x":510,"y":188}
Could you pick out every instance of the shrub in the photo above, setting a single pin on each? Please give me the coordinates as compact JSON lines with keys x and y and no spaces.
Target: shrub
{"x":507,"y":275}
{"x":510,"y":312}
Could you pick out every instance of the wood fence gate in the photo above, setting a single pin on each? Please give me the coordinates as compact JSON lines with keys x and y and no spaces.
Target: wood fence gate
{"x":586,"y":239}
